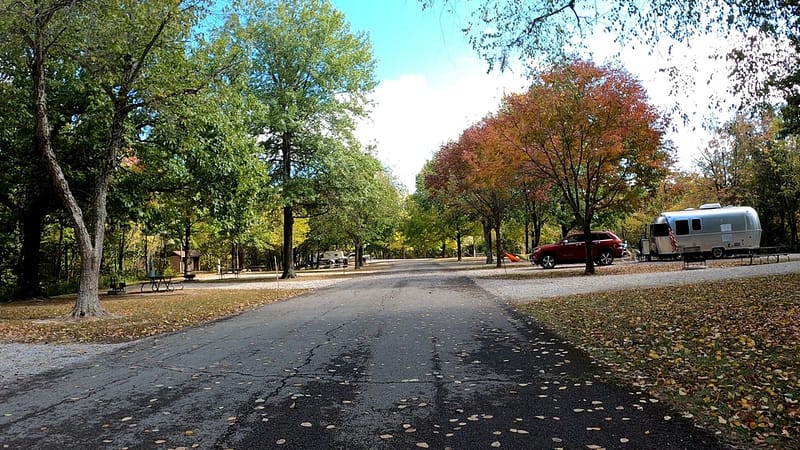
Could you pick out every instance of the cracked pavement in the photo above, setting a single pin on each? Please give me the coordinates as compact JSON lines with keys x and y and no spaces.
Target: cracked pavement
{"x":417,"y":357}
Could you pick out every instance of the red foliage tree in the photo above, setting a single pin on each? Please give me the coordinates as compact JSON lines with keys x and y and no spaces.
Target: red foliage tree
{"x":591,"y":132}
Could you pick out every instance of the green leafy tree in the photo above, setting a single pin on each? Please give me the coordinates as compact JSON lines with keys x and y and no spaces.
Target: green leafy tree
{"x":362,"y":201}
{"x":313,"y":74}
{"x":726,"y":162}
{"x":453,"y":214}
{"x":134,"y":55}
{"x":423,"y":229}
{"x":505,"y":31}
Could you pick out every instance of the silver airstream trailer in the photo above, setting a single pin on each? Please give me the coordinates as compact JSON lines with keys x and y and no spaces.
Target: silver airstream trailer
{"x":714,"y":230}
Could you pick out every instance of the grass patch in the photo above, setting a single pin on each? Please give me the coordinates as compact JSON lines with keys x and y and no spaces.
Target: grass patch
{"x":726,"y":354}
{"x":134,"y":316}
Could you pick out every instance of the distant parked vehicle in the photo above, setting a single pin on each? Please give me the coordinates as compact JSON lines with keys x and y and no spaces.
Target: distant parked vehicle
{"x":711,"y":229}
{"x":364,"y":258}
{"x":605,"y":247}
{"x":333,"y":258}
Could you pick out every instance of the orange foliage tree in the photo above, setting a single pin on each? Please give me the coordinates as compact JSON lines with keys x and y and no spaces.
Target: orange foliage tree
{"x":591,"y":132}
{"x":480,"y":169}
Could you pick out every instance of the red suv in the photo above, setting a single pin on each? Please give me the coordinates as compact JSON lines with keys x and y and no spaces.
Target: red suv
{"x":605,"y":247}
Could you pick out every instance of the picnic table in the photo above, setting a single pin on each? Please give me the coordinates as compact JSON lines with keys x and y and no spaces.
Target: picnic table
{"x":693,"y":257}
{"x":159,"y":283}
{"x":763,"y":254}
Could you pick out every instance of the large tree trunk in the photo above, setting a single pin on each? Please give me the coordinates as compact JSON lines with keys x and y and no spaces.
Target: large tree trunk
{"x":587,"y":230}
{"x":30,"y":254}
{"x":288,"y":249}
{"x":487,"y":241}
{"x":88,"y":301}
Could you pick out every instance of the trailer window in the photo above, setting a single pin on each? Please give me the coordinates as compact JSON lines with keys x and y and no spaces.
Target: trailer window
{"x":696,"y":225}
{"x":659,"y":229}
{"x":681,"y":227}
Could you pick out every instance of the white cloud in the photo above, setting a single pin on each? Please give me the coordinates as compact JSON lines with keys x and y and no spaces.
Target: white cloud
{"x":695,"y":97}
{"x":414,"y":114}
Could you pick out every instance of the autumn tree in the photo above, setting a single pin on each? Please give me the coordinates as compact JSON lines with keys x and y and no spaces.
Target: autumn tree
{"x":313,"y":75}
{"x":480,"y":168}
{"x":590,"y":131}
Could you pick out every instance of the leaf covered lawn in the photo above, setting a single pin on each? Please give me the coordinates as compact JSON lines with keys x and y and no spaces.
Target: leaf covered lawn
{"x":726,"y":354}
{"x":133,"y":316}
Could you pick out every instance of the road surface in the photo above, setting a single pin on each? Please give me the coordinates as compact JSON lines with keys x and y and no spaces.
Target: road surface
{"x":416,"y":357}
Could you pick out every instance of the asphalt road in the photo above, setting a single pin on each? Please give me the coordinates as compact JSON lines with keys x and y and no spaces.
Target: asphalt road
{"x":417,"y":357}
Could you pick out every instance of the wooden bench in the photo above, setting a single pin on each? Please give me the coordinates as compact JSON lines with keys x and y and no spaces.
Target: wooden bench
{"x":693,"y":257}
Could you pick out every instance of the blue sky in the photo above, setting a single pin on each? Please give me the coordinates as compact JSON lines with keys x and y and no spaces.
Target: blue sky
{"x":407,"y":39}
{"x":433,"y":86}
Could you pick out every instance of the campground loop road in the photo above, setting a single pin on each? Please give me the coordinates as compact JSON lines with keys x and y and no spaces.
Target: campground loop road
{"x":414,"y":357}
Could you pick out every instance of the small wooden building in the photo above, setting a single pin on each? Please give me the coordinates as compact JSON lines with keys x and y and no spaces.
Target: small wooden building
{"x":176,"y":261}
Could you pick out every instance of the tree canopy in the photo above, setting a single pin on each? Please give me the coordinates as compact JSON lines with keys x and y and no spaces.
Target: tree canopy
{"x":313,"y":76}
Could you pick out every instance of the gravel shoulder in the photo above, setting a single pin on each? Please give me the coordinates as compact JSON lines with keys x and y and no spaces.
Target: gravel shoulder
{"x":522,"y":289}
{"x":20,"y":361}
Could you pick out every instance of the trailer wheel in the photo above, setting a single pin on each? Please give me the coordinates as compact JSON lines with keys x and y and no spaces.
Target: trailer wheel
{"x":717,"y":252}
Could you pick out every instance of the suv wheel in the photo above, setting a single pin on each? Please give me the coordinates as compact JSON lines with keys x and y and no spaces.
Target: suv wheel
{"x":548,"y":261}
{"x":606,"y":258}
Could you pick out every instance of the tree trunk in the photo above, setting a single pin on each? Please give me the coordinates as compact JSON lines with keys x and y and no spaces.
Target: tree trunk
{"x":499,"y":245}
{"x":121,"y":254}
{"x":30,"y":254}
{"x":458,"y":242}
{"x":587,"y":230}
{"x":88,"y":301}
{"x":187,"y":234}
{"x":527,"y":236}
{"x":359,"y":262}
{"x":487,"y":241}
{"x":288,"y":249}
{"x":288,"y":210}
{"x":537,"y":228}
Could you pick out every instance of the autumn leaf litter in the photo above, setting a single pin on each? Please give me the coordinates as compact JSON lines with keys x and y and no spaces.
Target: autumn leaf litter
{"x":721,"y":351}
{"x":720,"y":345}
